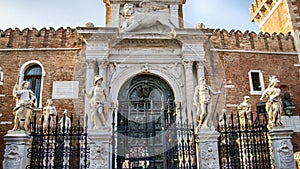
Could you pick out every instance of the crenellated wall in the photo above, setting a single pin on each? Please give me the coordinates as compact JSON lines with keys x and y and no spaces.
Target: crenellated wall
{"x":44,"y":38}
{"x":237,"y":40}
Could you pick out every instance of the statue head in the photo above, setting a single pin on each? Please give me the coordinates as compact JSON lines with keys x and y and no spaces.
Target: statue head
{"x":128,"y":9}
{"x":25,"y":84}
{"x":202,"y":80}
{"x":273,"y":81}
{"x":49,"y":102}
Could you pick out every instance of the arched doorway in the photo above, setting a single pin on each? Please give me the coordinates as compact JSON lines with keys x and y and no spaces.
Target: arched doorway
{"x":146,"y":111}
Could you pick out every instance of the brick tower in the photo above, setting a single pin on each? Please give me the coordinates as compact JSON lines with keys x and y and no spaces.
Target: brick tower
{"x":280,"y":16}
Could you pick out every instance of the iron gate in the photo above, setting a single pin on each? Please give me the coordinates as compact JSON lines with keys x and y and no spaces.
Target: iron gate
{"x":58,"y":144}
{"x":244,"y":146}
{"x":152,"y":135}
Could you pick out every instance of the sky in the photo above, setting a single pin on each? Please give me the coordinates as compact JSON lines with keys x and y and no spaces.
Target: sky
{"x":223,"y":14}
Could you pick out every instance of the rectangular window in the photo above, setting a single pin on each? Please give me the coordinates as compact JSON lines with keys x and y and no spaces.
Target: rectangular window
{"x":256,"y":82}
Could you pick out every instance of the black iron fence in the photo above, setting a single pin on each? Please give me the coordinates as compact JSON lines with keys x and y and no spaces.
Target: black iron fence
{"x":148,"y":135}
{"x":244,"y":143}
{"x":58,"y":144}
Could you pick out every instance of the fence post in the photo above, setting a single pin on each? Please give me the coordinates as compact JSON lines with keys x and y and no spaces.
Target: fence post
{"x":99,"y":142}
{"x":17,"y":144}
{"x":282,"y":148}
{"x":207,"y":148}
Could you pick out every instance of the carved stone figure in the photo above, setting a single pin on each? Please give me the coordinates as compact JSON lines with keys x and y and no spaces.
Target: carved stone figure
{"x":97,"y":96}
{"x":151,"y":15}
{"x":286,"y":155}
{"x":274,"y":103}
{"x":202,"y":100}
{"x":49,"y":113}
{"x":1,"y":76}
{"x":128,"y":9}
{"x":25,"y":99}
{"x":245,"y":111}
{"x":65,"y":122}
{"x":12,"y":157}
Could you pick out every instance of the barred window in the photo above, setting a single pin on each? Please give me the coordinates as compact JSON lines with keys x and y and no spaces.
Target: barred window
{"x":256,"y":82}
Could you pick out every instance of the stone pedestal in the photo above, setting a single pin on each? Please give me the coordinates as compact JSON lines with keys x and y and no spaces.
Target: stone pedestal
{"x":282,"y":147}
{"x":99,"y":142}
{"x":17,"y":143}
{"x":207,"y":149}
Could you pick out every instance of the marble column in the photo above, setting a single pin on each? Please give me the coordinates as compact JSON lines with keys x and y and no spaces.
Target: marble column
{"x":189,"y":79}
{"x":282,"y":147}
{"x":17,"y":144}
{"x":207,"y":149}
{"x":200,"y":70}
{"x":90,"y":73}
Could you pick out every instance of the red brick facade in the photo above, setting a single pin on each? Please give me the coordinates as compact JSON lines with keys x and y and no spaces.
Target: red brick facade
{"x":61,"y":52}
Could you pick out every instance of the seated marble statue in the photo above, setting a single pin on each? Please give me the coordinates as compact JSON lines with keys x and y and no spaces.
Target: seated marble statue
{"x":151,"y":15}
{"x":25,"y":99}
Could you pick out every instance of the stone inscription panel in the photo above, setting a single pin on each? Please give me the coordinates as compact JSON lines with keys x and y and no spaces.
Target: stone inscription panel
{"x":65,"y":90}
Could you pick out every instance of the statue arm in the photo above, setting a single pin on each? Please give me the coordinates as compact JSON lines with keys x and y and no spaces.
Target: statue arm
{"x":212,"y":91}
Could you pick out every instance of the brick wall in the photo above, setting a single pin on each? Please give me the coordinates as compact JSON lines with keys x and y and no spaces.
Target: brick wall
{"x":249,"y":51}
{"x":59,"y":51}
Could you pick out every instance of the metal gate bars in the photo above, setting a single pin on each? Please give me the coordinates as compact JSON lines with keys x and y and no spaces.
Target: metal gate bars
{"x":244,"y":144}
{"x":152,"y":135}
{"x":58,"y":144}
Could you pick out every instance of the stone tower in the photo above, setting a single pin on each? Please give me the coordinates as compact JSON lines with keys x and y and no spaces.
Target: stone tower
{"x":280,"y":16}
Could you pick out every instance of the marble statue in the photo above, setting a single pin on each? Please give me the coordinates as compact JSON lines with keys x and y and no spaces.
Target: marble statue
{"x":244,"y":109}
{"x":1,"y":76}
{"x":274,"y":103}
{"x":97,"y":97}
{"x":202,"y":100}
{"x":150,"y":15}
{"x":65,"y":122}
{"x":25,"y":99}
{"x":49,"y":113}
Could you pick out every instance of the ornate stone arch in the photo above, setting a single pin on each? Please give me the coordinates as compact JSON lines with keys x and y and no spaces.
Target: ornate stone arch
{"x":124,"y":75}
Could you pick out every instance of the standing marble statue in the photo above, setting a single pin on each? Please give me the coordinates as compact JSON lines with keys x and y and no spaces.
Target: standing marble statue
{"x":244,"y":109}
{"x":202,"y":100}
{"x":25,"y":99}
{"x":49,"y":113}
{"x":65,"y":122}
{"x":274,"y":103}
{"x":97,"y":97}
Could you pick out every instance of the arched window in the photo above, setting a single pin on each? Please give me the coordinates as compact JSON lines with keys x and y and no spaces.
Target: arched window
{"x":33,"y":74}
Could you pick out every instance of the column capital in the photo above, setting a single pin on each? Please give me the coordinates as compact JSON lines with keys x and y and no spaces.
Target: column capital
{"x":188,"y":64}
{"x":90,"y":63}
